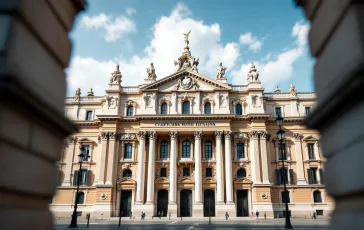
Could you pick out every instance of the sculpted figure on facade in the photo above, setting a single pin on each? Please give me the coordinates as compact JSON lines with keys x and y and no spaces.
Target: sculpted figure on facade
{"x":78,"y":94}
{"x":195,"y":64}
{"x":151,"y":72}
{"x":116,"y":76}
{"x":220,"y":71}
{"x":253,"y":74}
{"x":112,"y":102}
{"x":292,"y":90}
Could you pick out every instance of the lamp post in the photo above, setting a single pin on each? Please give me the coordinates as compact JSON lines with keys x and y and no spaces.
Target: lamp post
{"x":280,"y":135}
{"x":81,"y":157}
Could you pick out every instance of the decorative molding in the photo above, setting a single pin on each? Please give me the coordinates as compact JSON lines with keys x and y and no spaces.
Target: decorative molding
{"x":198,"y":135}
{"x":127,"y":136}
{"x":268,"y":137}
{"x":99,"y":139}
{"x":103,"y":196}
{"x":241,"y":135}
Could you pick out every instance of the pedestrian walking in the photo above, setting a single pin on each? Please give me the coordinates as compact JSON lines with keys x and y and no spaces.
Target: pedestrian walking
{"x":227,"y":215}
{"x":131,"y":215}
{"x":257,"y":214}
{"x":265,"y":216}
{"x":159,"y":215}
{"x":314,"y":215}
{"x":141,"y":216}
{"x":252,"y":214}
{"x":162,"y":213}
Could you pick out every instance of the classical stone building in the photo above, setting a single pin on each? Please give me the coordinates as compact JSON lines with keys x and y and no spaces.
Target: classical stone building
{"x":190,"y":145}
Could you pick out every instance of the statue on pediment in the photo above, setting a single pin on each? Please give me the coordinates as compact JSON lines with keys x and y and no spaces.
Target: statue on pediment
{"x":151,"y":72}
{"x":292,"y":90}
{"x":220,"y":71}
{"x":116,"y":76}
{"x":78,"y":94}
{"x":91,"y":93}
{"x":253,"y":74}
{"x":195,"y":64}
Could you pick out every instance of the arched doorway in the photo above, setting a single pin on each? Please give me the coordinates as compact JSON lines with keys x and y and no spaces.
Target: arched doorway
{"x":125,"y":203}
{"x":186,"y":203}
{"x":162,"y":204}
{"x":242,"y":203}
{"x":209,"y":203}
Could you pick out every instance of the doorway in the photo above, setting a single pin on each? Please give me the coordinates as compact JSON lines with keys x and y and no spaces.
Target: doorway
{"x":125,"y":203}
{"x":209,"y":203}
{"x":162,"y":204}
{"x":186,"y":203}
{"x":242,"y":203}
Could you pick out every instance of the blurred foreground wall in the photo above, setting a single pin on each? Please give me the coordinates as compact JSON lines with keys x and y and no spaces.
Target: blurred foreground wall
{"x":34,"y":50}
{"x":337,"y":41}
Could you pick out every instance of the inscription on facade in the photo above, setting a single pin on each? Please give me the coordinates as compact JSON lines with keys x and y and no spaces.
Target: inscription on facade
{"x":184,"y":124}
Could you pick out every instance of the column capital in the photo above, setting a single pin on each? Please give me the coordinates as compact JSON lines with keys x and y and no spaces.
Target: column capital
{"x":227,"y":135}
{"x":105,"y":135}
{"x":297,"y":136}
{"x":268,"y":137}
{"x":152,"y":135}
{"x":173,"y":134}
{"x":112,"y":135}
{"x":71,"y":139}
{"x":254,"y":134}
{"x":142,"y":135}
{"x":219,"y":134}
{"x":198,"y":134}
{"x":263,"y":134}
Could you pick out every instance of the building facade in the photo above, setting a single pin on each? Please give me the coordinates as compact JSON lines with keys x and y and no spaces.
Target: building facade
{"x":190,"y":145}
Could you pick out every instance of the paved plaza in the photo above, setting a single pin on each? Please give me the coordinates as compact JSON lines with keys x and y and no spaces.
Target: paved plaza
{"x":251,"y":224}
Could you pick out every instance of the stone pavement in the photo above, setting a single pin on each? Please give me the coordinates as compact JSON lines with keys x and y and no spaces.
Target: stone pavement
{"x":197,"y":223}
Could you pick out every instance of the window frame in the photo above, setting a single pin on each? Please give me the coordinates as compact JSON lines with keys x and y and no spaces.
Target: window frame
{"x":208,"y":169}
{"x":165,"y":172}
{"x":240,"y":108}
{"x":127,"y":176}
{"x":78,"y":197}
{"x":184,"y":149}
{"x":314,"y":194}
{"x":207,"y":110}
{"x":184,"y":111}
{"x":130,"y":111}
{"x":186,"y":169}
{"x":311,"y":151}
{"x":89,"y":118}
{"x":280,"y":111}
{"x":126,"y":145}
{"x":242,"y":175}
{"x":284,"y":152}
{"x":285,"y":197}
{"x":164,"y":104}
{"x":307,"y":110}
{"x":238,"y":156}
{"x":163,"y":147}
{"x":208,"y":149}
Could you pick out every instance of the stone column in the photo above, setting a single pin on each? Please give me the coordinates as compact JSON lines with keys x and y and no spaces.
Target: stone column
{"x":33,"y":125}
{"x":299,"y":156}
{"x":151,"y":173}
{"x":230,"y":205}
{"x":140,"y":177}
{"x":70,"y":154}
{"x":264,"y":157}
{"x":255,"y":159}
{"x":172,"y":205}
{"x":219,"y":173}
{"x":104,"y":143}
{"x":111,"y":159}
{"x":197,"y":206}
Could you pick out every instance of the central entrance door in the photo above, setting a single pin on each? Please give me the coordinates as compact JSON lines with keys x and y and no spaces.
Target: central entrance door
{"x":162,"y":204}
{"x":209,"y":203}
{"x":186,"y":203}
{"x":125,"y":203}
{"x":242,"y":203}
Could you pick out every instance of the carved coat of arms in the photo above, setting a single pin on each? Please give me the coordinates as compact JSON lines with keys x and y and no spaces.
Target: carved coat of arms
{"x":186,"y":83}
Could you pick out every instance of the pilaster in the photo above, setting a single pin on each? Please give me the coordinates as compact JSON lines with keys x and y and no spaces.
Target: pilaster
{"x":299,"y":156}
{"x":255,"y":159}
{"x":111,"y":158}
{"x":70,"y":155}
{"x":149,"y":206}
{"x":264,"y":157}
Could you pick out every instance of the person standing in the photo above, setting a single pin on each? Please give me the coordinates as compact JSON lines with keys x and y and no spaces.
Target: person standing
{"x":226,"y":215}
{"x":131,"y":215}
{"x":159,"y":215}
{"x":314,"y":215}
{"x":257,"y":214}
{"x":162,"y":213}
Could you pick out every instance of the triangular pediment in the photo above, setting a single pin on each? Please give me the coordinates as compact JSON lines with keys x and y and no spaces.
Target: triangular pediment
{"x":162,"y":180}
{"x":243,"y":180}
{"x":126,"y":181}
{"x":186,"y":180}
{"x":186,"y":80}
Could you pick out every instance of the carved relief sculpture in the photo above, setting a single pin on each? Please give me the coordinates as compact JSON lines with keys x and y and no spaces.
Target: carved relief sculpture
{"x":127,"y":136}
{"x":116,"y":76}
{"x":112,"y":102}
{"x":186,"y":83}
{"x":253,"y":74}
{"x":220,"y":71}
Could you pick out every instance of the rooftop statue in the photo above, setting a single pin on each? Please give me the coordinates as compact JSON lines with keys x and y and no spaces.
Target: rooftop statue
{"x":78,"y":94}
{"x":116,"y":76}
{"x":292,"y":90}
{"x":151,"y":72}
{"x":220,"y":71}
{"x":91,"y":93}
{"x":253,"y":75}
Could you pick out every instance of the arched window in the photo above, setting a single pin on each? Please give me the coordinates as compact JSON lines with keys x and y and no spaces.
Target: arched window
{"x":186,"y":107}
{"x":186,"y":149}
{"x":207,"y":108}
{"x":164,"y":149}
{"x":81,"y":198}
{"x":240,"y":150}
{"x":238,"y":109}
{"x":127,"y":173}
{"x":208,"y":150}
{"x":130,"y":112}
{"x":241,"y":173}
{"x":164,"y":109}
{"x":317,"y":197}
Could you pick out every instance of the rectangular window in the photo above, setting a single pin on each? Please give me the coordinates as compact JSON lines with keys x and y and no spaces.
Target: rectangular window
{"x":278,"y":112}
{"x":311,"y":153}
{"x":282,"y":152}
{"x":307,"y":110}
{"x":84,"y":177}
{"x":163,"y":172}
{"x":284,"y":176}
{"x":320,"y":212}
{"x":87,"y":152}
{"x":208,"y":172}
{"x":285,"y":195}
{"x":312,"y":175}
{"x":240,"y":150}
{"x":186,"y":171}
{"x":128,"y":151}
{"x":89,"y":115}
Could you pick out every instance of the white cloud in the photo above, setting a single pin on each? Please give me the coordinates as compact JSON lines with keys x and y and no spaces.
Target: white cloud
{"x":114,"y":27}
{"x":166,"y":46}
{"x":274,"y":68}
{"x":130,"y":11}
{"x":253,"y":43}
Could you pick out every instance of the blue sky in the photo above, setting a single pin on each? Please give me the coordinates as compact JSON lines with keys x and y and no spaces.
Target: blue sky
{"x":133,"y":33}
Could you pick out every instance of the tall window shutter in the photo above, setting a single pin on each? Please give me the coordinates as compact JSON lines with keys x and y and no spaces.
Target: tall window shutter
{"x":321,"y":176}
{"x":88,"y":174}
{"x":291,"y":176}
{"x":309,"y":176}
{"x":278,"y":176}
{"x":75,"y":177}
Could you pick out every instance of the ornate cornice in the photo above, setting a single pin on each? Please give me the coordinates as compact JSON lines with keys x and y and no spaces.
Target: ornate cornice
{"x":198,"y":134}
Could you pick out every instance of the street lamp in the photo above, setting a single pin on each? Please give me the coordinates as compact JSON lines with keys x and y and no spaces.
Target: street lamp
{"x":280,"y":135}
{"x":81,"y":157}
